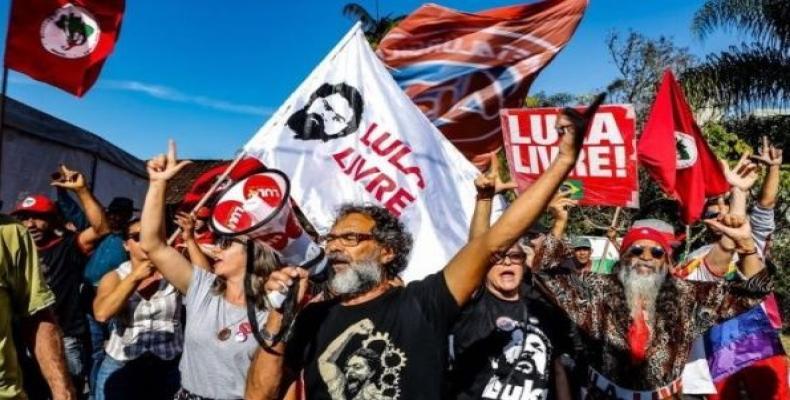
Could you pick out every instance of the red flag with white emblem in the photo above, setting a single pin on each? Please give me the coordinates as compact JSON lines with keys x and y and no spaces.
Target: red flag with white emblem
{"x":676,"y":155}
{"x":63,"y":43}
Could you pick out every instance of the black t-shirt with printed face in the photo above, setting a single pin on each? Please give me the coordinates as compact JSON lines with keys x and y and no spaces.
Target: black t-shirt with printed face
{"x":62,"y":265}
{"x":504,"y":349}
{"x":392,"y":347}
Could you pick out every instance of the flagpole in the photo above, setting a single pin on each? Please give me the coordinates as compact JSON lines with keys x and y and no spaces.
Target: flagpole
{"x":613,"y":225}
{"x":208,"y":194}
{"x":2,"y":125}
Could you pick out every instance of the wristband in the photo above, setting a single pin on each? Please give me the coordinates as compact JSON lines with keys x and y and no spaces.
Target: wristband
{"x":747,"y":253}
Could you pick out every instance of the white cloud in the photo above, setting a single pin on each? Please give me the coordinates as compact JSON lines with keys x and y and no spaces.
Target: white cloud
{"x":166,"y":93}
{"x":174,"y":95}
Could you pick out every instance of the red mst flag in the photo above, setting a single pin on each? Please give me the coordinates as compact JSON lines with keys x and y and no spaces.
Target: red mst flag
{"x":63,"y":43}
{"x":676,"y":155}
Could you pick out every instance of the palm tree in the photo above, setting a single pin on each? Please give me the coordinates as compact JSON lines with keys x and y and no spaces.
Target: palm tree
{"x":752,"y":75}
{"x":374,"y":28}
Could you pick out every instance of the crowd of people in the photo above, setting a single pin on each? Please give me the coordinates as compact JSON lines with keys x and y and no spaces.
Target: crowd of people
{"x":95,"y":303}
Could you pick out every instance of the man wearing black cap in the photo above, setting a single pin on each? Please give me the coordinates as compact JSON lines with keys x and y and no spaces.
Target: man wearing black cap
{"x":63,"y":256}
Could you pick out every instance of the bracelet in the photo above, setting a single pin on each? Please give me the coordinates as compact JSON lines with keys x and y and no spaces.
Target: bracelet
{"x":748,"y":253}
{"x":484,"y":198}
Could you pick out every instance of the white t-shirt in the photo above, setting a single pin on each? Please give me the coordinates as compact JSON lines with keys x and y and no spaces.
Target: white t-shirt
{"x":211,"y":367}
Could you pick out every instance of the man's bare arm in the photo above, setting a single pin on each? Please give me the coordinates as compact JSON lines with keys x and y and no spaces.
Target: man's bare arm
{"x":741,"y":178}
{"x":269,"y":375}
{"x":94,"y":212}
{"x":45,"y":340}
{"x":771,"y":157}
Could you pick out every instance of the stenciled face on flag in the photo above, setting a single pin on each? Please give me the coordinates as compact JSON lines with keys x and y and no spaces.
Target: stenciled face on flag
{"x":350,"y":134}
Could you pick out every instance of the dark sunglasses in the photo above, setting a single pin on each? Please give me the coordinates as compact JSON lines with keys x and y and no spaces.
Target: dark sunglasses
{"x":515,"y":257}
{"x":655,"y":251}
{"x":134,"y":236}
{"x":223,"y":242}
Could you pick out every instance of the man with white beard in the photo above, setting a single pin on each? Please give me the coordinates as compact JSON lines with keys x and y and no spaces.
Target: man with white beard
{"x":408,"y":326}
{"x":638,"y":325}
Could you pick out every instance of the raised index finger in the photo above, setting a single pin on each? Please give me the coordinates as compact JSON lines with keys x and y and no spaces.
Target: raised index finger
{"x":494,"y":170}
{"x":171,"y":150}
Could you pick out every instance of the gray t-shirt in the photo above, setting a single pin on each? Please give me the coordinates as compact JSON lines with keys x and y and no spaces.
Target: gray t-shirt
{"x":211,"y":367}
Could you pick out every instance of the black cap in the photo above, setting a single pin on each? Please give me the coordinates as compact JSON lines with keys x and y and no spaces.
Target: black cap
{"x":538,"y":228}
{"x":121,"y":204}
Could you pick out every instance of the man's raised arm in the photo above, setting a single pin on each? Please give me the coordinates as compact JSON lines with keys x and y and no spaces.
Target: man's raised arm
{"x":99,"y":225}
{"x":466,"y":270}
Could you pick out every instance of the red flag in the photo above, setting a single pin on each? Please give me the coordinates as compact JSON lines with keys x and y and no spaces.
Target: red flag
{"x":462,"y":68}
{"x":61,"y":42}
{"x":246,"y":167}
{"x":676,"y":155}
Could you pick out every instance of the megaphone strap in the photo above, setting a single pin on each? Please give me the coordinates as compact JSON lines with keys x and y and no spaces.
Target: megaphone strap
{"x":289,"y":308}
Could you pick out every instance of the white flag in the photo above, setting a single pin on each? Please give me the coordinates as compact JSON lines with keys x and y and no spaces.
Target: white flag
{"x":350,"y":134}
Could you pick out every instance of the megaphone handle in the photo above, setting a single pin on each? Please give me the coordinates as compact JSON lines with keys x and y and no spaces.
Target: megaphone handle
{"x":276,"y":299}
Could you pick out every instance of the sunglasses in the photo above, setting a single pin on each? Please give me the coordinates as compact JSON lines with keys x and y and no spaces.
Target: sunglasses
{"x":655,"y":251}
{"x":224,"y":242}
{"x":134,"y":236}
{"x":515,"y":257}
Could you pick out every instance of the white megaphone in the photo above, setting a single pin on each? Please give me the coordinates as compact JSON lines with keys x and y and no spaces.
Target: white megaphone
{"x":259,"y":208}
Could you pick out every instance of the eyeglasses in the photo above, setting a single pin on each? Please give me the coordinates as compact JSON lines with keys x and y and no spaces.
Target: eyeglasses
{"x":514,"y":257}
{"x":562,"y":128}
{"x":346,"y":239}
{"x":134,"y":236}
{"x":655,"y":251}
{"x":223,"y":242}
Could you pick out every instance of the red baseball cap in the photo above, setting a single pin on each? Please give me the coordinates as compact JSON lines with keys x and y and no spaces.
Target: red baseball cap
{"x":36,"y":204}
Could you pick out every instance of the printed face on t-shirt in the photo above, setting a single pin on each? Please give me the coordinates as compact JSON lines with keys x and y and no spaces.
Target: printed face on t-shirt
{"x":521,"y":370}
{"x":533,"y":360}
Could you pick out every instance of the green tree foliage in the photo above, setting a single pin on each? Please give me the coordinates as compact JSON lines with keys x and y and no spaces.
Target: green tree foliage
{"x":751,"y":75}
{"x":640,"y":61}
{"x":375,"y":28}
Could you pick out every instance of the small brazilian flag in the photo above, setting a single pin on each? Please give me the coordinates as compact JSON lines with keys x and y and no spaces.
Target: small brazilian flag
{"x":575,"y":187}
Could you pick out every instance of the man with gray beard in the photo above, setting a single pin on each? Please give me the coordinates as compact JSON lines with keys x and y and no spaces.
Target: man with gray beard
{"x":368,"y":314}
{"x":638,"y":325}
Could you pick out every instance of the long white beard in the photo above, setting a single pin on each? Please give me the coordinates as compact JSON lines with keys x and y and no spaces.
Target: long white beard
{"x":642,"y":289}
{"x":357,"y":278}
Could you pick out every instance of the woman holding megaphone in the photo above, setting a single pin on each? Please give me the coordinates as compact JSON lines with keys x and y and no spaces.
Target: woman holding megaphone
{"x":218,"y":343}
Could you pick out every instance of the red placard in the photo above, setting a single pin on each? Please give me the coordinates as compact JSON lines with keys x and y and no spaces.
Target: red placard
{"x":606,"y":172}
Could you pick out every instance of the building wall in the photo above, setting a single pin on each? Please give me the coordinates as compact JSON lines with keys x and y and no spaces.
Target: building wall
{"x":28,"y":163}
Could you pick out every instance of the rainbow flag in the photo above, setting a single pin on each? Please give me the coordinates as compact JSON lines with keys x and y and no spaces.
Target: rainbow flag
{"x":741,"y":341}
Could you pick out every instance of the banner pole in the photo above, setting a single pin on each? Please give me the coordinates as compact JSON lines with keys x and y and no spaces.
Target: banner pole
{"x":2,"y":125}
{"x":209,"y":193}
{"x":688,"y":241}
{"x":613,"y":225}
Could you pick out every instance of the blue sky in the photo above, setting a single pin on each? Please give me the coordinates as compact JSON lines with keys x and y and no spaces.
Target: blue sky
{"x":208,"y":74}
